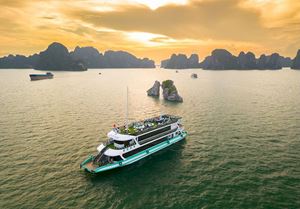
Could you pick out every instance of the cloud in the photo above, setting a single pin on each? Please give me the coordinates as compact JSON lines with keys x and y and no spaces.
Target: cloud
{"x":156,"y":30}
{"x":221,"y":20}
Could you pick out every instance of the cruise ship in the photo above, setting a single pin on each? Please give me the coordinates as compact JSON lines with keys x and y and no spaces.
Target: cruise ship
{"x":135,"y":141}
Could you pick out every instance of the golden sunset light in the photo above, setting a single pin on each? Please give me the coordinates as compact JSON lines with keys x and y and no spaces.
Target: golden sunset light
{"x":154,"y":29}
{"x":142,"y":104}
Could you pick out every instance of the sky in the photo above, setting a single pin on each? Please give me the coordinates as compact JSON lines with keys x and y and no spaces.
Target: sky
{"x":152,"y":28}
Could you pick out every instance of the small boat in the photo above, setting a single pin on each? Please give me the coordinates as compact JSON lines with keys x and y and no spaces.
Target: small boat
{"x":35,"y":77}
{"x":194,"y":75}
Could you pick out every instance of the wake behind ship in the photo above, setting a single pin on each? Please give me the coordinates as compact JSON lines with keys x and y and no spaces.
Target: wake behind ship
{"x":131,"y":143}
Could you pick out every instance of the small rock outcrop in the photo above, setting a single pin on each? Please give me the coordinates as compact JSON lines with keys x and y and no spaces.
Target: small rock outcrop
{"x":296,"y":61}
{"x":170,"y":92}
{"x":57,"y":57}
{"x":154,"y":90}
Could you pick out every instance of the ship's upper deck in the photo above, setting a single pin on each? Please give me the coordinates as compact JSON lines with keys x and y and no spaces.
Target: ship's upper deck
{"x":140,"y":127}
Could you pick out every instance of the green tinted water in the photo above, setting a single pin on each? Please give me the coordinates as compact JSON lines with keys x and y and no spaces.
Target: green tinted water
{"x":243,"y":148}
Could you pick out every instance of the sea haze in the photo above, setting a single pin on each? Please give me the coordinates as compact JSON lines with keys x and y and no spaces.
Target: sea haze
{"x":242,"y":149}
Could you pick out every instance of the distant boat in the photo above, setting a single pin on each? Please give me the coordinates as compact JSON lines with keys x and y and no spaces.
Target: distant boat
{"x":194,"y":75}
{"x":35,"y":77}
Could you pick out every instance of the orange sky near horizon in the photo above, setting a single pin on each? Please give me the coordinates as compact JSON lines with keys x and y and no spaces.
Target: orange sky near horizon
{"x":152,"y":28}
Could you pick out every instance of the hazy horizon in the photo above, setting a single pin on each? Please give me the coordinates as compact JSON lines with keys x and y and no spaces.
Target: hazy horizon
{"x":153,"y":29}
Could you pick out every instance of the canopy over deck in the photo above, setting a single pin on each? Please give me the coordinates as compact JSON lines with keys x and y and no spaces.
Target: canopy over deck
{"x":141,"y":127}
{"x":119,"y":137}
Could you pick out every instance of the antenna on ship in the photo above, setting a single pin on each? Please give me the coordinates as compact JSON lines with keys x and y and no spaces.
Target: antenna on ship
{"x":126,"y":123}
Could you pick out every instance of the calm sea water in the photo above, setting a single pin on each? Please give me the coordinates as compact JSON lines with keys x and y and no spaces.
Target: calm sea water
{"x":243,"y":148}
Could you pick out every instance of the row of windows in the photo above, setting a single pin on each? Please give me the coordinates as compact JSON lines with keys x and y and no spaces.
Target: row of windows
{"x":153,"y":133}
{"x":156,"y":136}
{"x":118,"y":142}
{"x":106,"y":158}
{"x":128,"y":154}
{"x":126,"y":143}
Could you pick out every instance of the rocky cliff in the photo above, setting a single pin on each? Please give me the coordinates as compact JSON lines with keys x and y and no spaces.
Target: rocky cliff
{"x":18,"y":61}
{"x":90,"y":56}
{"x":181,"y":61}
{"x":296,"y":61}
{"x":246,"y":61}
{"x":57,"y":57}
{"x":154,"y":90}
{"x":286,"y":61}
{"x":170,"y":92}
{"x":221,"y":59}
{"x":122,"y":59}
{"x":111,"y":59}
{"x":273,"y":62}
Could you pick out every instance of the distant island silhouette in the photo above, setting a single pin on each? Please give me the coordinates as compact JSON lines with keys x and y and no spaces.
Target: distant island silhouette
{"x":181,"y":61}
{"x":221,"y":59}
{"x":57,"y":58}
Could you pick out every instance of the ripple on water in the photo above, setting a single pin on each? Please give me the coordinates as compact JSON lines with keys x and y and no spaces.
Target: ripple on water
{"x":242,"y":149}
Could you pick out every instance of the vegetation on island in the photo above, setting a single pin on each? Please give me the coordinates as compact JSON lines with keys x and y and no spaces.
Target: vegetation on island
{"x":169,"y":84}
{"x":170,"y":92}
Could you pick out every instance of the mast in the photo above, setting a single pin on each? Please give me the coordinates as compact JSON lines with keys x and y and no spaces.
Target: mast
{"x":126,"y":123}
{"x":160,"y":111}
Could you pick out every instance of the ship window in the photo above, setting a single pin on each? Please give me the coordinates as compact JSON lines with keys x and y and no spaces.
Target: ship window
{"x":118,"y":142}
{"x":154,"y":133}
{"x":126,"y":143}
{"x":117,"y":158}
{"x":128,"y":154}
